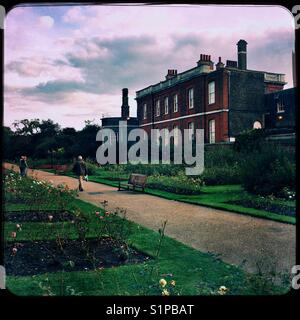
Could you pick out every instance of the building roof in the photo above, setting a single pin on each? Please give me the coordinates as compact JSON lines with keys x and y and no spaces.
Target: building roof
{"x":195,"y":72}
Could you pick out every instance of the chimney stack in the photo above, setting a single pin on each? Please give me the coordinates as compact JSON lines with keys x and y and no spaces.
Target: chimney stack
{"x":242,"y":54}
{"x":205,"y":64}
{"x":220,"y":64}
{"x":171,"y":74}
{"x":125,"y":106}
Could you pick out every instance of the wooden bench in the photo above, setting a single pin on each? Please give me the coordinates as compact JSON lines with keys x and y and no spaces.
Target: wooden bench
{"x":135,"y":181}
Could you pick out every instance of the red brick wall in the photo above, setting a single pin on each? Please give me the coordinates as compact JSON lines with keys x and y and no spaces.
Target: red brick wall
{"x":200,"y":85}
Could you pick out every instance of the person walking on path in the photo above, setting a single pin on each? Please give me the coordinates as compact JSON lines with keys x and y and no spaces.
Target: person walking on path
{"x":23,"y":166}
{"x":80,"y":170}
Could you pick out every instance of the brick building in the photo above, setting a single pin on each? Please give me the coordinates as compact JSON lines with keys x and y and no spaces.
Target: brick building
{"x":223,"y":100}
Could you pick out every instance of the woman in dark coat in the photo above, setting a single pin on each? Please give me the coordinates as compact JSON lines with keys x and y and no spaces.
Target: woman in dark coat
{"x":23,"y":166}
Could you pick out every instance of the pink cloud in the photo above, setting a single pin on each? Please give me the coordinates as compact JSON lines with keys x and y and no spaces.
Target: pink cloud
{"x":74,"y":15}
{"x":100,"y":49}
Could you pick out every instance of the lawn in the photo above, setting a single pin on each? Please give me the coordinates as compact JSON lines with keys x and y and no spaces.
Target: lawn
{"x":194,"y":272}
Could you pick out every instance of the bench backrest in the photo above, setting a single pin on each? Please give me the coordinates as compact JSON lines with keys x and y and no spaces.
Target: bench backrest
{"x":137,"y":179}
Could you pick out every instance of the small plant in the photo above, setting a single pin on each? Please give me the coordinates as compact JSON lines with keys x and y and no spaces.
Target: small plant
{"x":81,"y":225}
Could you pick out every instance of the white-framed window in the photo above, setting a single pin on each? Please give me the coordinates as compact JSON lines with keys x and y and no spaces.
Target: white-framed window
{"x":211,"y":92}
{"x":145,"y":111}
{"x":166,"y":105}
{"x":157,"y":108}
{"x":176,"y":134}
{"x":280,"y":107}
{"x":212,"y":131}
{"x":175,"y":103}
{"x":191,"y":128}
{"x":191,"y":98}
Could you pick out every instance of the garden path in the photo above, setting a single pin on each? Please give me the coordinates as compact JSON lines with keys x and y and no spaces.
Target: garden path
{"x":233,"y":237}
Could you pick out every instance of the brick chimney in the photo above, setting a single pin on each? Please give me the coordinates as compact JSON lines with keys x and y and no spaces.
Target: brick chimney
{"x":125,"y":106}
{"x":231,"y":64}
{"x":205,"y":64}
{"x":242,"y":54}
{"x":171,"y":74}
{"x":220,"y":64}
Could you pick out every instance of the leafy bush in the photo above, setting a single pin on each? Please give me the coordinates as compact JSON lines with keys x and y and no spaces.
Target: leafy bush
{"x":180,"y":184}
{"x":147,"y":169}
{"x":250,"y":141}
{"x":268,"y":171}
{"x":219,"y":156}
{"x":91,"y":168}
{"x":222,"y":175}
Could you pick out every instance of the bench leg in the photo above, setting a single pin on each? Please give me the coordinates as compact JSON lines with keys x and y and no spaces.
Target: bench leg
{"x":119,"y":189}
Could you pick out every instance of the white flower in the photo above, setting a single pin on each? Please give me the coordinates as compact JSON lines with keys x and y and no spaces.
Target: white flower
{"x":163,"y":282}
{"x":165,"y":292}
{"x":222,"y":290}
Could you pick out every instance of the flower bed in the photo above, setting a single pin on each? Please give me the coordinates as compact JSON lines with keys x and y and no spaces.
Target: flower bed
{"x":36,"y":193}
{"x":36,"y":257}
{"x":267,"y":205}
{"x":180,"y":184}
{"x":38,"y":216}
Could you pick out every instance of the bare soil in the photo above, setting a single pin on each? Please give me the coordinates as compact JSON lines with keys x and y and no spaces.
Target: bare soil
{"x":37,"y":257}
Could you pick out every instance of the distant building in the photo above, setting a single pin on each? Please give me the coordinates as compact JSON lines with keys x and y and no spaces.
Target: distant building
{"x":113,"y":122}
{"x":224,"y":101}
{"x":280,"y":107}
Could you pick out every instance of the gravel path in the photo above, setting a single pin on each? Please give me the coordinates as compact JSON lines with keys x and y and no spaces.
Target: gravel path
{"x":235,"y":238}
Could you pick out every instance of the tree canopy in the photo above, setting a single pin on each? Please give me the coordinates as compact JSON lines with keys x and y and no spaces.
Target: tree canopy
{"x":40,"y":139}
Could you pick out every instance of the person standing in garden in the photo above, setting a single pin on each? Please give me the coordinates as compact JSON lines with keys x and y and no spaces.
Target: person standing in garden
{"x":80,"y":170}
{"x":23,"y":166}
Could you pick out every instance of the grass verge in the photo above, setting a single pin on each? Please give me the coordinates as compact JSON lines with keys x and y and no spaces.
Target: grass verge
{"x":195,"y":273}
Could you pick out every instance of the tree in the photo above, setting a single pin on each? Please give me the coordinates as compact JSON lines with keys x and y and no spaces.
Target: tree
{"x":49,"y":128}
{"x":26,"y":127}
{"x":7,"y":142}
{"x":86,"y":143}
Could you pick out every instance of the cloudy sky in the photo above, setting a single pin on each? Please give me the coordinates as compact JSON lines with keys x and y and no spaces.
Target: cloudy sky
{"x":69,"y":63}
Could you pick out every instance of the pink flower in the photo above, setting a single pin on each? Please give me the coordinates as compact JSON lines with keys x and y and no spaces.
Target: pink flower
{"x":14,"y":250}
{"x":13,"y":234}
{"x":101,"y":217}
{"x":97,"y":213}
{"x":107,"y":213}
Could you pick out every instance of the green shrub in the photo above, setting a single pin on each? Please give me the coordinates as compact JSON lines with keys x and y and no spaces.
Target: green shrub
{"x":219,"y":156}
{"x":222,"y":175}
{"x":250,"y":140}
{"x":268,"y":171}
{"x":91,"y":168}
{"x":147,"y":169}
{"x":180,"y":184}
